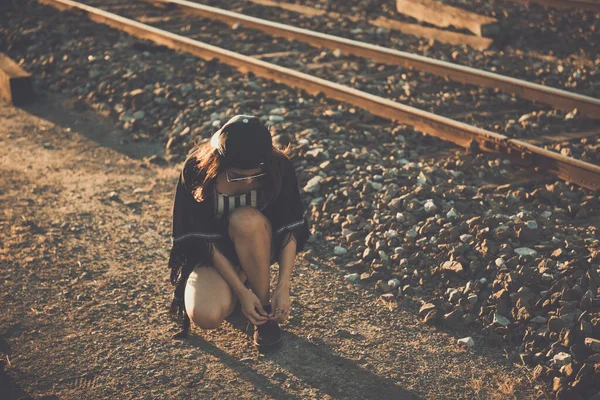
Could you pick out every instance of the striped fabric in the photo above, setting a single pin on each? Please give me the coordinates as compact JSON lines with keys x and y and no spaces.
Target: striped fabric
{"x":226,"y":204}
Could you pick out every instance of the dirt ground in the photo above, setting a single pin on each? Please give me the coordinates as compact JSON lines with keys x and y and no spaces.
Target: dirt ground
{"x":84,"y":238}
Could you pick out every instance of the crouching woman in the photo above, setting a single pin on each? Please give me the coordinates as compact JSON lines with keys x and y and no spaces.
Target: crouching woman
{"x":237,"y":210}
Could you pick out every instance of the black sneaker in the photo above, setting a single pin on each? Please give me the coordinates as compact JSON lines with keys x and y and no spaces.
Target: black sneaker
{"x":267,"y":335}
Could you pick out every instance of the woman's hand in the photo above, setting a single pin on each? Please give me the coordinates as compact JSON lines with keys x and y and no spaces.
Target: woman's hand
{"x":280,"y":301}
{"x":250,"y":303}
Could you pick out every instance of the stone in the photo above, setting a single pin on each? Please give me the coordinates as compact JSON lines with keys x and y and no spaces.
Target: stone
{"x":526,"y":251}
{"x":468,"y":342}
{"x":453,"y":319}
{"x":532,"y":225}
{"x":432,"y":317}
{"x":454,"y":267}
{"x":451,"y":214}
{"x":430,"y":207}
{"x":592,"y":344}
{"x":465,"y":238}
{"x":562,"y":358}
{"x":453,"y":295}
{"x":352,"y":278}
{"x":539,"y":372}
{"x":539,"y":320}
{"x":394,"y":283}
{"x":426,"y":308}
{"x":382,"y":287}
{"x":501,"y":320}
{"x":339,"y":251}
{"x":314,"y":184}
{"x":556,"y":324}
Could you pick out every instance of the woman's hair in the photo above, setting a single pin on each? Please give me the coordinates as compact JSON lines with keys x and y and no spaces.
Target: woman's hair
{"x":206,"y":160}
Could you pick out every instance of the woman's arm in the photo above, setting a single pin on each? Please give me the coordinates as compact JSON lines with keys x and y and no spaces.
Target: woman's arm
{"x":286,"y":264}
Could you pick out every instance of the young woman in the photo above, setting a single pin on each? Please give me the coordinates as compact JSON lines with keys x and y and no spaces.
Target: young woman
{"x":237,"y":210}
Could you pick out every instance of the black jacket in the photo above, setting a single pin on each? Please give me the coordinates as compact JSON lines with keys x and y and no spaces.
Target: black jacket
{"x":196,"y":229}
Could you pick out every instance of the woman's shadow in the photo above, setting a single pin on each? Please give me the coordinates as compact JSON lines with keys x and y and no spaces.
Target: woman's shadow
{"x":314,"y":364}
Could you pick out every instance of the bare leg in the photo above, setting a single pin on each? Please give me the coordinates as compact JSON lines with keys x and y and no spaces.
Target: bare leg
{"x":250,"y":232}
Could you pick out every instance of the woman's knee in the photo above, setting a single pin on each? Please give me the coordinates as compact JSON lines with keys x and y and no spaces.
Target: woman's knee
{"x":207,"y":298}
{"x":248,"y":222}
{"x":206,"y":318}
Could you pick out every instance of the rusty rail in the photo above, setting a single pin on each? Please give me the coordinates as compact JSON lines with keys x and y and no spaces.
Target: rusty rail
{"x":570,"y":169}
{"x":590,"y":5}
{"x":556,"y":98}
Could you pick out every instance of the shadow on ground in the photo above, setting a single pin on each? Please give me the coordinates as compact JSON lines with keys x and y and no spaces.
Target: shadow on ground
{"x":78,"y":117}
{"x":317,"y":366}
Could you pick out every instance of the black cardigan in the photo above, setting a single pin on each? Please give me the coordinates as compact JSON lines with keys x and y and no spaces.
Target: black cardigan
{"x":196,"y":229}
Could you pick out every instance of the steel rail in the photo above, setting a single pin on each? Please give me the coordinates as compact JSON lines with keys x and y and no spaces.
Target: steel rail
{"x":590,"y":5}
{"x":556,"y":98}
{"x":567,"y":168}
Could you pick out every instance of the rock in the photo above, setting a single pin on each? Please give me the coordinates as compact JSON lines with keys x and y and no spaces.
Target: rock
{"x":451,"y":214}
{"x":388,"y":297}
{"x":113,"y":196}
{"x":539,"y":320}
{"x":454,"y":267}
{"x":432,"y":317}
{"x":501,"y":299}
{"x":453,"y":319}
{"x":559,"y":383}
{"x":465,"y":238}
{"x":586,"y":379}
{"x":352,"y":278}
{"x":526,"y":251}
{"x":382,"y":287}
{"x":157,"y":160}
{"x":592,"y":344}
{"x":314,"y":184}
{"x":532,"y":225}
{"x":453,"y":295}
{"x":468,"y":342}
{"x":426,"y":308}
{"x":501,"y":320}
{"x":339,"y":251}
{"x":562,"y":358}
{"x":555,"y":324}
{"x":539,"y":372}
{"x":365,"y":276}
{"x":430,"y":207}
{"x":394,"y":283}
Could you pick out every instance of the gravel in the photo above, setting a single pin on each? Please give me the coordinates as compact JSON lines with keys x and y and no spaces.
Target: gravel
{"x":401,"y":214}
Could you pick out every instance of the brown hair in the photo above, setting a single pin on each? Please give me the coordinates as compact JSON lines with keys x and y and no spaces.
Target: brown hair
{"x":208,"y":164}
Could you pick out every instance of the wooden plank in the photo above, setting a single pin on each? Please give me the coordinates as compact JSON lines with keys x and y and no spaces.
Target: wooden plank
{"x":15,"y":83}
{"x":568,"y":168}
{"x":557,"y":98}
{"x":442,"y":36}
{"x":590,"y":5}
{"x":562,"y":137}
{"x":442,"y":15}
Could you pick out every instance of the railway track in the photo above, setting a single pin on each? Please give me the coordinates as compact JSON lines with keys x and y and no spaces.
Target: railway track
{"x":554,"y":97}
{"x":567,"y":168}
{"x":401,"y":204}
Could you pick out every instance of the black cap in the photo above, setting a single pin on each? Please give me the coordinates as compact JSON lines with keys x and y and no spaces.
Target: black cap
{"x":243,"y":142}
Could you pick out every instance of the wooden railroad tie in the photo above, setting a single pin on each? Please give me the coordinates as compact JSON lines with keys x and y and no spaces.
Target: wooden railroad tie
{"x":417,"y":30}
{"x":15,"y":83}
{"x":438,"y":14}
